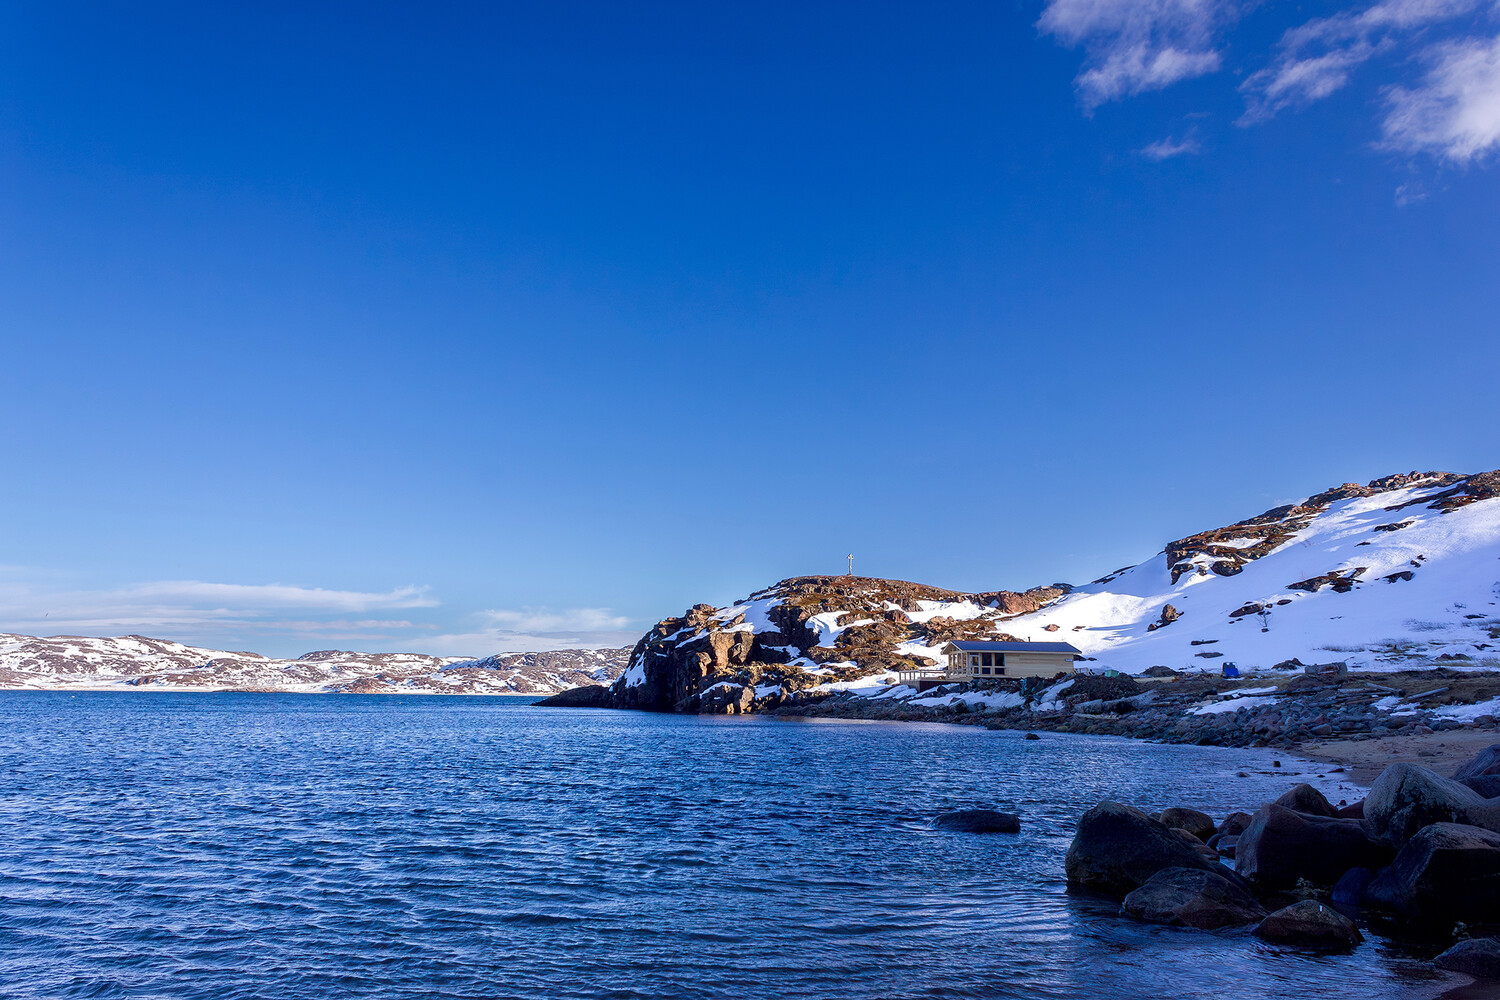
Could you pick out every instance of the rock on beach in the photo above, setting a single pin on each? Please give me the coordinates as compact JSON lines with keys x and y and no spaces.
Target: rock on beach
{"x":977,"y":821}
{"x":1282,"y":846}
{"x":1309,"y":926}
{"x":1190,"y":897}
{"x":1118,"y":848}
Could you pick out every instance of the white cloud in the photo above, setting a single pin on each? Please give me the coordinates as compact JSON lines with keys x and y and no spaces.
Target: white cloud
{"x":1454,"y":113}
{"x":548,"y":620}
{"x":198,"y":609}
{"x":1165,"y":149}
{"x":1451,"y":113}
{"x":1410,"y":193}
{"x":1316,"y":59}
{"x":535,"y":629}
{"x":1134,"y":46}
{"x":277,"y":595}
{"x":291,"y":618}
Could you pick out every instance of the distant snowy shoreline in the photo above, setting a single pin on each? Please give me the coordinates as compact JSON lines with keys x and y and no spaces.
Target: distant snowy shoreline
{"x":138,"y":663}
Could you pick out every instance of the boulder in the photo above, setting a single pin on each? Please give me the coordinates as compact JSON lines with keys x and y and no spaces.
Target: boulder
{"x":1282,"y":846}
{"x":1227,"y":846}
{"x":1118,"y":848}
{"x":726,"y":698}
{"x":1306,"y":799}
{"x":1487,"y":761}
{"x":1477,"y":957}
{"x":587,"y":696}
{"x":1349,"y":890}
{"x":1199,"y":824}
{"x":1235,"y":823}
{"x":1446,"y":872}
{"x":1405,"y":798}
{"x":1189,"y":897}
{"x":1187,"y":838}
{"x":1311,"y":926}
{"x":977,"y":821}
{"x":1487,"y":785}
{"x":1355,"y":810}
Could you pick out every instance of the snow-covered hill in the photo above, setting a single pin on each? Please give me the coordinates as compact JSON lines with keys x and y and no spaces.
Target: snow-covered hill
{"x":82,"y":663}
{"x":1399,"y":573}
{"x":1393,"y":574}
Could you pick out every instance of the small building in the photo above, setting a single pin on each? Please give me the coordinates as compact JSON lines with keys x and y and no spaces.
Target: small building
{"x":991,"y":661}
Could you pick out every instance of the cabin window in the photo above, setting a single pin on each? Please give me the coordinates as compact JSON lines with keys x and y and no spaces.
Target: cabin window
{"x":987,"y":659}
{"x":999,"y":670}
{"x":984,"y":670}
{"x":974,"y":659}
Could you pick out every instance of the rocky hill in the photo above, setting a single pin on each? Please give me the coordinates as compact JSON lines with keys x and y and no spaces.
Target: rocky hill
{"x":1402,"y":573}
{"x":82,"y":663}
{"x":811,"y":632}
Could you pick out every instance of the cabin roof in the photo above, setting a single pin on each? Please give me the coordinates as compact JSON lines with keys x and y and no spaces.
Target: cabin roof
{"x":969,"y":646}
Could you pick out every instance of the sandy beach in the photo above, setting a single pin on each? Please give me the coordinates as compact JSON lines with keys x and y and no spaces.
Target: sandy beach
{"x":1365,"y":759}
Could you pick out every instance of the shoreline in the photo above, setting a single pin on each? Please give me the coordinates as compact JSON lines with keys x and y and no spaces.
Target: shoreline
{"x":1441,"y":752}
{"x":1361,"y":759}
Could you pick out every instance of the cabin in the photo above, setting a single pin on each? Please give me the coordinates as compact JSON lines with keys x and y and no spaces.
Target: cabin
{"x":993,"y":661}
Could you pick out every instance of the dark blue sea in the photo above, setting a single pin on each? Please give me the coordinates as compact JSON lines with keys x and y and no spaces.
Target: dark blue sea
{"x":247,"y":846}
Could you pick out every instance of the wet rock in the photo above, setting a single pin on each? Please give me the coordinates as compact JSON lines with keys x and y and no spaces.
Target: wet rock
{"x":1308,"y":800}
{"x":1354,"y":810}
{"x":1446,"y":872}
{"x":977,"y":821}
{"x":1235,"y":823}
{"x":1118,"y":848}
{"x":1199,"y":824}
{"x":1477,"y":957}
{"x":1311,"y":926}
{"x":1187,"y":838}
{"x":1349,"y":890}
{"x":1032,"y":736}
{"x":1282,"y":846}
{"x":1228,"y":846}
{"x":1188,"y":897}
{"x":1406,"y":797}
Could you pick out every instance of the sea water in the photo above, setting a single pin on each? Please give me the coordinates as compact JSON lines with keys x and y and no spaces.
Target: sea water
{"x":240,"y":845}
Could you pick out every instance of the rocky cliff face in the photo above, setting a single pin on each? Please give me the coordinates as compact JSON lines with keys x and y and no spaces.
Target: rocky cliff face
{"x":805,"y":634}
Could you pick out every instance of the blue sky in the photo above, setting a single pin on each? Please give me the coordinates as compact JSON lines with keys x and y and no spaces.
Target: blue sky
{"x":467,"y":327}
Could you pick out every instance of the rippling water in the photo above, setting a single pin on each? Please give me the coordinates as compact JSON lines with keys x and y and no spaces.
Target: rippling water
{"x":233,"y":846}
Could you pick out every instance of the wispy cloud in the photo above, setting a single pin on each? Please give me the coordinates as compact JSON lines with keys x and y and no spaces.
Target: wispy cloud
{"x":1165,"y":149}
{"x":1451,"y":113}
{"x":200,"y":610}
{"x":1454,"y":112}
{"x":528,"y":629}
{"x":548,"y":620}
{"x":291,"y":618}
{"x":277,"y":595}
{"x":1316,"y":59}
{"x":1132,"y":46}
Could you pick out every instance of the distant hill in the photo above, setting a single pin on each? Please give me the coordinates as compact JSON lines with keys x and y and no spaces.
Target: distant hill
{"x":77,"y":662}
{"x":1399,"y":573}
